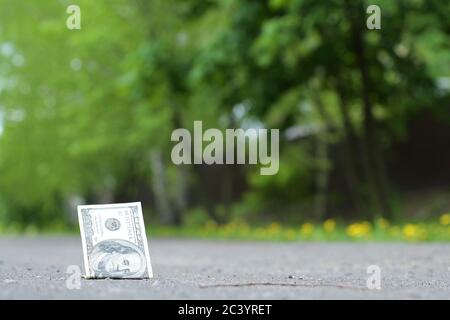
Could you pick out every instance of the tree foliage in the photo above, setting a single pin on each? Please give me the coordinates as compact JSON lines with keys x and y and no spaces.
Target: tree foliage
{"x":89,"y":112}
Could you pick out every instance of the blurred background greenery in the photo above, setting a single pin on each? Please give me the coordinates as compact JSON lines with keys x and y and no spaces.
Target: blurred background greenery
{"x":364,"y":118}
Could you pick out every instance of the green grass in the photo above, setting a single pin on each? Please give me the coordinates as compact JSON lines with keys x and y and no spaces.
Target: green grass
{"x":329,"y":230}
{"x":363,"y":231}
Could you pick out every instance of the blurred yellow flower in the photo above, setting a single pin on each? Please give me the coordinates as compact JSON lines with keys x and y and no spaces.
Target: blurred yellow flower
{"x":359,"y":229}
{"x":329,"y":225}
{"x":307,"y":229}
{"x":445,"y":219}
{"x":411,"y":231}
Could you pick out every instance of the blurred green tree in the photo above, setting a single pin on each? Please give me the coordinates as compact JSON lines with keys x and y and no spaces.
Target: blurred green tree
{"x":88,"y":113}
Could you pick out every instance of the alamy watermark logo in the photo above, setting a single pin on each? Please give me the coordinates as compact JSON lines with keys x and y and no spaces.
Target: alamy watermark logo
{"x":74,"y":280}
{"x":374,"y":280}
{"x":374,"y":20}
{"x":220,"y":150}
{"x":73,"y":22}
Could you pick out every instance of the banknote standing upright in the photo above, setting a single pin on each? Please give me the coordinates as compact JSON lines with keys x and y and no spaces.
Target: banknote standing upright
{"x":114,"y":241}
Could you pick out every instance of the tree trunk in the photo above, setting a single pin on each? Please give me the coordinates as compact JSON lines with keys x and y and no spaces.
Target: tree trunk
{"x":160,"y":191}
{"x":321,"y":199}
{"x":180,"y":194}
{"x":373,"y":163}
{"x":350,"y":155}
{"x":322,"y":170}
{"x":205,"y":196}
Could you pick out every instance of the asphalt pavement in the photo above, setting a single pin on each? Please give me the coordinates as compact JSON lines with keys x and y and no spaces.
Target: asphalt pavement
{"x":44,"y":268}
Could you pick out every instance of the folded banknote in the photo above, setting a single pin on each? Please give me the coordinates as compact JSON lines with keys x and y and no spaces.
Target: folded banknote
{"x":114,"y":241}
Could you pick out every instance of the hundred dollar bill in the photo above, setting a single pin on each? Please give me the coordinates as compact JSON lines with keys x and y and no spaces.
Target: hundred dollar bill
{"x":114,"y":241}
